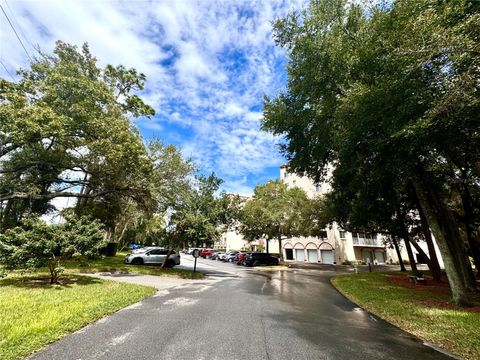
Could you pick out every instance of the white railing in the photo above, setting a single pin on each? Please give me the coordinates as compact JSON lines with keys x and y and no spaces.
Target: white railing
{"x":367,"y":242}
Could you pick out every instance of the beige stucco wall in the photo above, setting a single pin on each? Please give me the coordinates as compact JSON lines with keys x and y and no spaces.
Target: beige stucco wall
{"x":344,"y":249}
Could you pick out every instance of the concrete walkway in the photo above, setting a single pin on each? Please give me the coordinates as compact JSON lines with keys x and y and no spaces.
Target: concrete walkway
{"x":158,"y":282}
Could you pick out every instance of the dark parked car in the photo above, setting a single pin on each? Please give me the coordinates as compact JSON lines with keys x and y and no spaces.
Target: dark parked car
{"x":257,"y":259}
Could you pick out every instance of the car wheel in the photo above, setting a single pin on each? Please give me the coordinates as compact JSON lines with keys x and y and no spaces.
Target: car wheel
{"x":137,"y":261}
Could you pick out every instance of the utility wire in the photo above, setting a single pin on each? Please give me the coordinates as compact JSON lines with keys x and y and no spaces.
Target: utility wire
{"x":15,"y":31}
{"x":8,"y":72}
{"x":18,"y":24}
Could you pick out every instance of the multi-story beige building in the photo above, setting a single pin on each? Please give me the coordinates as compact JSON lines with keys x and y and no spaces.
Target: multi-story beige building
{"x":334,"y":246}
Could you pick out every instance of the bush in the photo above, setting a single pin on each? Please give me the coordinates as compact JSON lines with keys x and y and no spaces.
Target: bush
{"x":36,"y":244}
{"x":347,"y":262}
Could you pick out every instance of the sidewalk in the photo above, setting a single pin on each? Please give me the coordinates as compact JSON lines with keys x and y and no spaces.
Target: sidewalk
{"x":158,"y":282}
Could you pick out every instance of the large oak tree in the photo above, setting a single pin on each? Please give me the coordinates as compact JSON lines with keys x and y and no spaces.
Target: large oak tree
{"x":389,"y":91}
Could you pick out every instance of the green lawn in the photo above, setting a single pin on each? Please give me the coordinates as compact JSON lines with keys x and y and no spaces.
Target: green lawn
{"x":423,"y":313}
{"x":116,"y":264}
{"x":34,"y":313}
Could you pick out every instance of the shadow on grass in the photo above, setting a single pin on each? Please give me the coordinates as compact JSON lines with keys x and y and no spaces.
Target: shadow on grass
{"x":43,"y":281}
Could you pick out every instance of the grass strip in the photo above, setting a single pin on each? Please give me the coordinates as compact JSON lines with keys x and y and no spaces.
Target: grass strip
{"x":426,"y":314}
{"x":34,"y":313}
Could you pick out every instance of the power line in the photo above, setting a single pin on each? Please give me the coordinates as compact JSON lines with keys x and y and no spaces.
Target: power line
{"x":18,"y":24}
{"x":15,"y":31}
{"x":8,"y":72}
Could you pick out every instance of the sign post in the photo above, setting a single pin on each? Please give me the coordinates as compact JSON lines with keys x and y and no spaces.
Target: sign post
{"x":196,"y":254}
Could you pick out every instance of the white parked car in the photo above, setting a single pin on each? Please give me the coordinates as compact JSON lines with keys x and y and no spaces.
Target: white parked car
{"x":153,"y":256}
{"x":143,"y":249}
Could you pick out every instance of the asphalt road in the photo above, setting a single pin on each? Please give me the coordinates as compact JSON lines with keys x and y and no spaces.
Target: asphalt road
{"x":240,"y":313}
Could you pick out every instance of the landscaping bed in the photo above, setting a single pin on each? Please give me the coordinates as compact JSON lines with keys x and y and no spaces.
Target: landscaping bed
{"x":424,"y":310}
{"x":34,"y":313}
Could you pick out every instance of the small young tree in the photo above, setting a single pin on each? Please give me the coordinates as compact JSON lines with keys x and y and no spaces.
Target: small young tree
{"x":36,"y":244}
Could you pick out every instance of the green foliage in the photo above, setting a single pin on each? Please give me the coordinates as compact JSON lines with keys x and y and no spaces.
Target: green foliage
{"x":388,"y":95}
{"x":275,"y":212}
{"x":36,"y":244}
{"x":65,"y":125}
{"x":199,"y":215}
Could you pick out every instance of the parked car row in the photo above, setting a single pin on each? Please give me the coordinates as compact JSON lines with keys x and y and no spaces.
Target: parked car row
{"x":245,"y":258}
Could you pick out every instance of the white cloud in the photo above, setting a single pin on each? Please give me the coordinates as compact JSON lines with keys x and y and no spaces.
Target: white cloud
{"x":208,"y":65}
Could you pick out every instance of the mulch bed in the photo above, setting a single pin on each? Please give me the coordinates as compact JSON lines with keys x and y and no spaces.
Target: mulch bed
{"x":429,"y":285}
{"x":433,"y":287}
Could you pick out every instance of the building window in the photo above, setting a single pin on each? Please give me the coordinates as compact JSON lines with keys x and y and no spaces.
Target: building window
{"x":318,"y":188}
{"x":294,"y":182}
{"x":343,"y":235}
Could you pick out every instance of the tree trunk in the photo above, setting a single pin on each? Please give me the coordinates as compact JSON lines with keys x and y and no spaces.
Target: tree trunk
{"x":399,"y":255}
{"x":411,"y":258}
{"x":120,"y":238}
{"x":474,"y":244}
{"x":451,"y":246}
{"x":470,"y":228}
{"x":429,"y":261}
{"x":434,"y":264}
{"x":52,"y":266}
{"x":406,"y":238}
{"x":280,"y":248}
{"x":108,"y":234}
{"x":166,"y":259}
{"x":266,"y":243}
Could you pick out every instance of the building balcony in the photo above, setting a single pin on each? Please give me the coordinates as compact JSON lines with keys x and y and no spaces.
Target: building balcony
{"x":367,"y":242}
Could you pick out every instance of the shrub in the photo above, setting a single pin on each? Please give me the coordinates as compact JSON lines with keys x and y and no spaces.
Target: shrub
{"x":36,"y":244}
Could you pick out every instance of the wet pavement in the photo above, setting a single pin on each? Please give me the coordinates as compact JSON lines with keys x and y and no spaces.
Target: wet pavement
{"x":240,"y":313}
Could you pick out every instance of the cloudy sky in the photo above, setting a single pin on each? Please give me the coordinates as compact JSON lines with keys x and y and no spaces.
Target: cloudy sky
{"x":208,"y":64}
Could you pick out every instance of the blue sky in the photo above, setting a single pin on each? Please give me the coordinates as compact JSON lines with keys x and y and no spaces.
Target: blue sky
{"x":208,"y":65}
